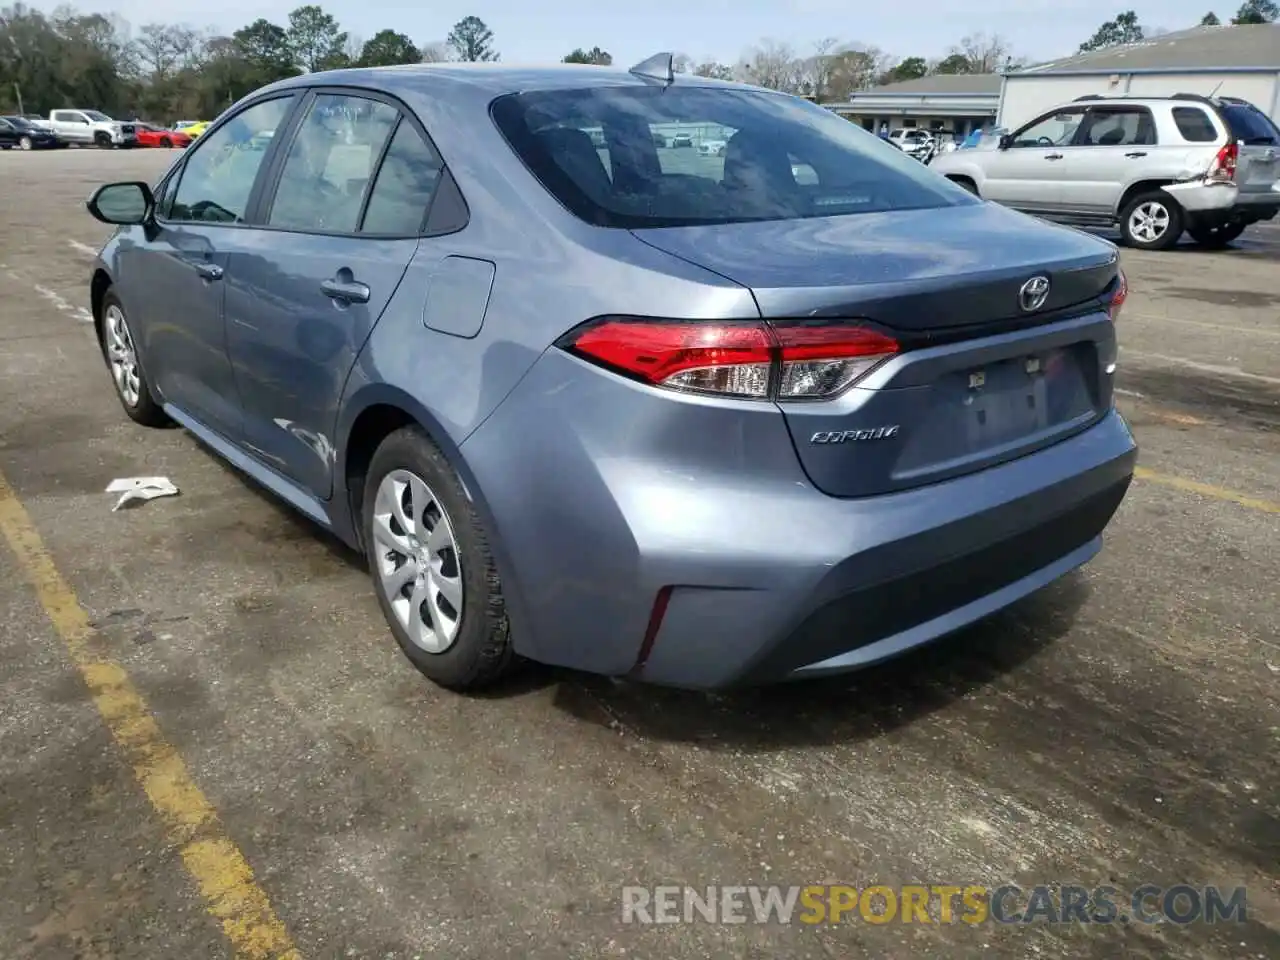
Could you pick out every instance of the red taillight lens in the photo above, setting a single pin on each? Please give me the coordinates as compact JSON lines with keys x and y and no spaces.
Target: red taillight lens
{"x":1119,"y":297}
{"x":1224,"y":164}
{"x":792,"y":361}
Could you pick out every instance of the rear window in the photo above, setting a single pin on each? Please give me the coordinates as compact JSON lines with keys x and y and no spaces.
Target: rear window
{"x":614,"y":157}
{"x":1194,"y":125}
{"x":1250,"y":125}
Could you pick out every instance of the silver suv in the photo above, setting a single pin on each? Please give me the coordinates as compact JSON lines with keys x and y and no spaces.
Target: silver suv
{"x":1153,"y":166}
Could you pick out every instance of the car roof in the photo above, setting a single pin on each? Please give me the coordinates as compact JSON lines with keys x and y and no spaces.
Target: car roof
{"x":493,"y":79}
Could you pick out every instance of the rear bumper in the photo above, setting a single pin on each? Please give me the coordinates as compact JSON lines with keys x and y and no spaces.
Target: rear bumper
{"x":900,"y":575}
{"x":1222,"y":202}
{"x":605,"y":497}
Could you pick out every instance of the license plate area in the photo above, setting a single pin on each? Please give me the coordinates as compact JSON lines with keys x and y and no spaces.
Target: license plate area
{"x":997,"y":407}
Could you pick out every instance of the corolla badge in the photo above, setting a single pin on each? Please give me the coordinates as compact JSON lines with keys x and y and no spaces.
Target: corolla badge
{"x":1033,"y":294}
{"x":845,"y":436}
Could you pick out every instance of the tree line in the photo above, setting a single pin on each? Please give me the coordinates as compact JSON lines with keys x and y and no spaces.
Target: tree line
{"x":165,"y":72}
{"x":172,"y":71}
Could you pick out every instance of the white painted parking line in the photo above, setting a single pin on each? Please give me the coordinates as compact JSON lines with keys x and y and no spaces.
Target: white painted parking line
{"x":84,"y":248}
{"x":64,"y":305}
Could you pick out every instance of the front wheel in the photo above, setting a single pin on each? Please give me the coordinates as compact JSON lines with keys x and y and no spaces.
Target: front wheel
{"x":102,"y":141}
{"x":1151,"y":221}
{"x":432,"y":568}
{"x":121,"y":354}
{"x":25,"y":143}
{"x":1217,"y":236}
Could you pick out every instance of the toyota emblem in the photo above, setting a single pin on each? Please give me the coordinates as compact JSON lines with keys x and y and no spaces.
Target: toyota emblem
{"x":1033,"y":294}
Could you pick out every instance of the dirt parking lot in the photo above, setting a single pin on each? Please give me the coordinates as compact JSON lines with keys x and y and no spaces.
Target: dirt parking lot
{"x":211,"y":747}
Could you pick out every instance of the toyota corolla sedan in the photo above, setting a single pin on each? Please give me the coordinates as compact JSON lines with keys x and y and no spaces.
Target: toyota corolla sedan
{"x":705,"y":427}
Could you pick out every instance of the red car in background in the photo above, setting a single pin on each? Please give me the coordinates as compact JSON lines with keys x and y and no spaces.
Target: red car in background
{"x":149,"y":135}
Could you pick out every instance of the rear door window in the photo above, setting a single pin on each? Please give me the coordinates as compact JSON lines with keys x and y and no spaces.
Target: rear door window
{"x":1250,"y":125}
{"x":330,"y":163}
{"x":598,"y":151}
{"x":1118,"y":127}
{"x":1194,"y":125}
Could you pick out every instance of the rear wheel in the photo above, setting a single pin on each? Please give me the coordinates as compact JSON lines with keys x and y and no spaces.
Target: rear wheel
{"x":126,"y":372}
{"x":25,"y":143}
{"x":431,"y":564}
{"x":966,"y":183}
{"x":166,"y":142}
{"x":1151,"y":221}
{"x":1218,"y":235}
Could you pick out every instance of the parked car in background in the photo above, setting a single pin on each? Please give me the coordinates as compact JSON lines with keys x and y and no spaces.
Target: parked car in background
{"x":150,"y":135}
{"x":92,"y":128}
{"x":711,"y":148}
{"x":22,"y":133}
{"x":682,"y":140}
{"x":194,"y":130}
{"x":543,"y":388}
{"x":1154,"y":167}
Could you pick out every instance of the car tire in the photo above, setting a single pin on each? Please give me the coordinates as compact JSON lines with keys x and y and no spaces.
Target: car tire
{"x":102,"y":141}
{"x":5,"y":146}
{"x":1151,"y":221}
{"x":438,"y":587}
{"x":121,"y":355}
{"x":965,"y":183}
{"x":1216,"y":236}
{"x":24,"y":143}
{"x":166,"y":143}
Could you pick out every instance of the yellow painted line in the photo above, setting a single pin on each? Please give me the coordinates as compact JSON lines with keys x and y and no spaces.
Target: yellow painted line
{"x":219,"y":869}
{"x":1206,"y":490}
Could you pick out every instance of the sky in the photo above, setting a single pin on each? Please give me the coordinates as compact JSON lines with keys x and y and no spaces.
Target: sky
{"x":531,"y":31}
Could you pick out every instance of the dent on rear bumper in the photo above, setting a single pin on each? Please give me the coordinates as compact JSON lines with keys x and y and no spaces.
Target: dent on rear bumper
{"x":605,"y":492}
{"x":1203,"y":196}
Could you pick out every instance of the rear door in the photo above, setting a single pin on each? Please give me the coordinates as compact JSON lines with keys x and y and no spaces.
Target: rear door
{"x":306,"y":286}
{"x":1258,"y":166}
{"x":1028,"y":173}
{"x":1115,"y":146}
{"x":72,"y":126}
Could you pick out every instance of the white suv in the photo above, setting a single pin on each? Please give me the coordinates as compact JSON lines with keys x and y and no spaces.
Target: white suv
{"x":1153,"y":166}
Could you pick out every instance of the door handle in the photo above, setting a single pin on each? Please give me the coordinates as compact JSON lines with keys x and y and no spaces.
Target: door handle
{"x":1136,"y":154}
{"x":350,"y":291}
{"x":1053,"y":156}
{"x":209,"y":271}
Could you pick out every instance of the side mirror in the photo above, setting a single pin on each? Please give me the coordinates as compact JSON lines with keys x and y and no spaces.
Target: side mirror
{"x":1006,"y":141}
{"x":122,"y":204}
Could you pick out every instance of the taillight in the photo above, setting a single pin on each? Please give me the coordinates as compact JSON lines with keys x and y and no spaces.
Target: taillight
{"x":791,"y":360}
{"x":1119,"y":297}
{"x":1223,"y":167}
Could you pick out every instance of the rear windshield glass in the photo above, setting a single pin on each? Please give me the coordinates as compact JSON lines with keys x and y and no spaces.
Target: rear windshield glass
{"x":1250,"y":125}
{"x":636,"y":157}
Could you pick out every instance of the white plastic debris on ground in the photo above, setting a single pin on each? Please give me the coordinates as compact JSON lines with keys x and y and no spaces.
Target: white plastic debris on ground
{"x":140,"y":488}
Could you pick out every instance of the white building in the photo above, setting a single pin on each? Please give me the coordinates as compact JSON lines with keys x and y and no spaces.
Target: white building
{"x":1232,"y":61}
{"x":955,"y":103}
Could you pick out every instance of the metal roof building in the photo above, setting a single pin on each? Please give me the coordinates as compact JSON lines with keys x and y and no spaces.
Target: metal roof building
{"x":956,"y":102}
{"x":1236,"y":61}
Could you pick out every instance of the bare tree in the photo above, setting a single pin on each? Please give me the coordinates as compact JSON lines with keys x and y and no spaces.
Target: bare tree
{"x":854,"y":69}
{"x":986,"y":53}
{"x":437,"y":51}
{"x":774,"y":65}
{"x":817,"y":68}
{"x":353,"y":48}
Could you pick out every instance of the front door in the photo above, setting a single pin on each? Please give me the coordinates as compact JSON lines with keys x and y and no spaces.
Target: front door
{"x":185,"y":259}
{"x":305,"y":289}
{"x":1027,"y":174}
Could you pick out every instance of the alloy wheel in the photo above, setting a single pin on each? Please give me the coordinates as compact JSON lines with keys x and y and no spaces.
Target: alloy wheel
{"x":418,"y":561}
{"x":25,"y":143}
{"x":122,"y":356}
{"x":1149,"y":221}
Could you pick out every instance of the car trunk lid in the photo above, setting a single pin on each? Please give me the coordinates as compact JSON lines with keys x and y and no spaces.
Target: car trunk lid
{"x":980,"y":379}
